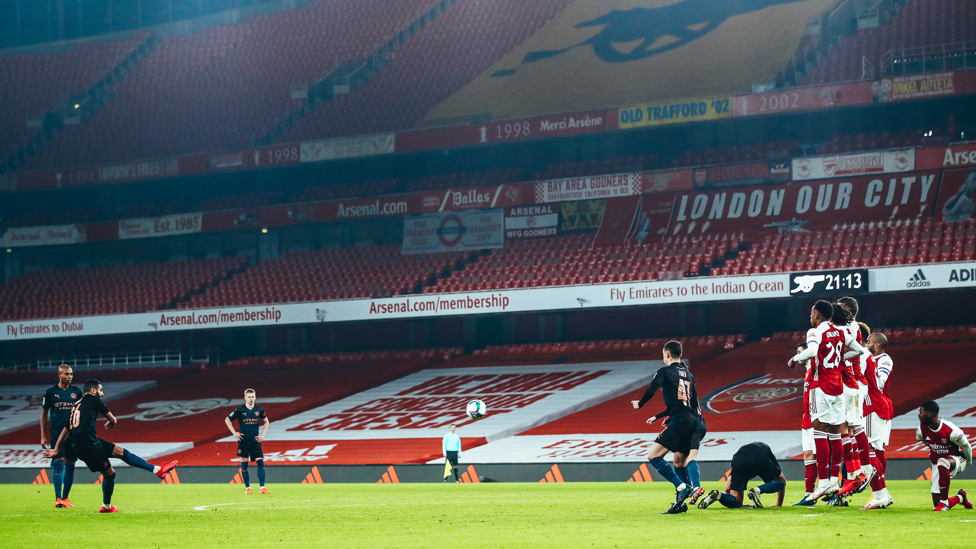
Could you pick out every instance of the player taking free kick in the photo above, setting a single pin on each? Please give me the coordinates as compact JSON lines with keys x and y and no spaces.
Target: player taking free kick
{"x":87,"y":447}
{"x":249,"y":441}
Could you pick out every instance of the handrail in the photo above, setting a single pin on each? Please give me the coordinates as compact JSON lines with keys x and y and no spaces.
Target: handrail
{"x":108,"y":361}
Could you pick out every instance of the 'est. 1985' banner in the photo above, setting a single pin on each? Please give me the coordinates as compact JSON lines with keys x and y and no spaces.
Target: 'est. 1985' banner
{"x":675,"y":112}
{"x":454,"y":231}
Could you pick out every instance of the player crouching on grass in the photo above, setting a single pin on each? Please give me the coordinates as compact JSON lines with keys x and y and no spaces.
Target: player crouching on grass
{"x":949,"y":452}
{"x":248,"y":439}
{"x":87,"y":447}
{"x":752,"y":460}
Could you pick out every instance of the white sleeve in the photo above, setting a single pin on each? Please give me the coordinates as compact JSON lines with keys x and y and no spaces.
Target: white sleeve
{"x":882,"y":372}
{"x":918,"y":435}
{"x":959,"y":439}
{"x":856,"y":350}
{"x":810,"y":352}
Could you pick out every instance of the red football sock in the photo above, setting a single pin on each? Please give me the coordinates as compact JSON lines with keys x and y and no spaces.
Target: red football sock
{"x":810,"y":474}
{"x":846,"y":444}
{"x":876,"y":481}
{"x":883,"y":462}
{"x":822,"y":445}
{"x":836,"y":453}
{"x":953,"y":501}
{"x":944,"y":480}
{"x":863,"y":448}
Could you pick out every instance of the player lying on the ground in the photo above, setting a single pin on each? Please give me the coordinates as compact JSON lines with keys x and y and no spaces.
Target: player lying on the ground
{"x":755,"y":459}
{"x":249,"y":441}
{"x":949,"y":452}
{"x":86,"y":446}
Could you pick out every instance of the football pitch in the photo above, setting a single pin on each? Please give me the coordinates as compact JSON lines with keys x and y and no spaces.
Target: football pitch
{"x":475,"y":515}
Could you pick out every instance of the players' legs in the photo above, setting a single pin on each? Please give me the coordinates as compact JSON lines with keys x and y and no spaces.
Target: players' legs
{"x":260,"y":463}
{"x":245,"y":476}
{"x":945,"y":469}
{"x":108,"y":487}
{"x":133,"y":460}
{"x":732,"y":499}
{"x":69,"y":478}
{"x":694,"y":472}
{"x":58,"y":476}
{"x":656,"y":457}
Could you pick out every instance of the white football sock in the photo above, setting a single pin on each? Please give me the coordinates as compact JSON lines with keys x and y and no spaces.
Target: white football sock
{"x":156,"y":469}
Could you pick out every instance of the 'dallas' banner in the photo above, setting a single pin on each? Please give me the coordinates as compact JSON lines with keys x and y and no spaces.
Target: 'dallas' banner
{"x":822,"y":167}
{"x":454,"y":232}
{"x":790,"y":207}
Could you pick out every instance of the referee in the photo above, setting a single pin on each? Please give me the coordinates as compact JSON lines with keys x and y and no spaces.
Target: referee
{"x":451,"y":447}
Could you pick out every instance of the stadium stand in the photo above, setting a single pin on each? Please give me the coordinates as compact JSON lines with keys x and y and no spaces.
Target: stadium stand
{"x":376,"y":271}
{"x":106,"y":290}
{"x":920,"y":23}
{"x":34,"y":84}
{"x":219,"y":88}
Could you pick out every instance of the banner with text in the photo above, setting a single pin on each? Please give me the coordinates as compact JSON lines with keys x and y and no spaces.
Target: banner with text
{"x":427,"y":305}
{"x":160,"y":226}
{"x":788,"y":208}
{"x":348,"y":147}
{"x":931,"y":276}
{"x":741,"y":175}
{"x":802,"y":99}
{"x":588,"y":188}
{"x":918,"y":86}
{"x":955,"y":156}
{"x":822,"y":167}
{"x":454,"y":232}
{"x":49,"y":235}
{"x":675,"y":112}
{"x":533,"y":221}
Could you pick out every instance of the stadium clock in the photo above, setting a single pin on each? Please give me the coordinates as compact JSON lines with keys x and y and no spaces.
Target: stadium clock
{"x":834,"y":282}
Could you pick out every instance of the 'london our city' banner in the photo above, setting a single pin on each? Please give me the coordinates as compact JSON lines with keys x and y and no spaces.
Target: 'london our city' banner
{"x":454,"y":232}
{"x":789,"y":207}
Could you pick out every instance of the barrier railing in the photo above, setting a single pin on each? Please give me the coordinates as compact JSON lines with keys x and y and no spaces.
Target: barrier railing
{"x":109,"y":361}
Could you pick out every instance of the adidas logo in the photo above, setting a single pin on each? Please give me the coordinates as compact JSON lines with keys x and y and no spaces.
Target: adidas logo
{"x":926,"y":475}
{"x":642,"y":474}
{"x":389,"y":477}
{"x":918,"y":280}
{"x":42,"y":478}
{"x":553,"y":475}
{"x":314,"y":477}
{"x":470,"y":476}
{"x":171,"y":478}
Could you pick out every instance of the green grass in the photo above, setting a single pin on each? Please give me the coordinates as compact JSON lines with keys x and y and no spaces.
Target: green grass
{"x":451,"y":515}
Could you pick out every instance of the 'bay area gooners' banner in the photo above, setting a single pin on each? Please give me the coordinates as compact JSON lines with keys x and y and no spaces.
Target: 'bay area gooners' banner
{"x":454,"y":232}
{"x":888,"y":197}
{"x":425,"y":404}
{"x":823,"y":167}
{"x":418,"y":306}
{"x":49,"y":235}
{"x":160,"y":226}
{"x":588,"y":188}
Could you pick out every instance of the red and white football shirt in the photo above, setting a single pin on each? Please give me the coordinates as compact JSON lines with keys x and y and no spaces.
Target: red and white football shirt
{"x":877,"y":374}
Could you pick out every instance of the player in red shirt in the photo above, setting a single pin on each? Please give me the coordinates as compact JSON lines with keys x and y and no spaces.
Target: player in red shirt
{"x":826,"y":346}
{"x":949,"y":451}
{"x":878,"y":413}
{"x":854,"y":440}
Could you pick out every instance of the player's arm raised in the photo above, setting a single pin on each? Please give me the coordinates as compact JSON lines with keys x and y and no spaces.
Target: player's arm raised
{"x":232,"y":430}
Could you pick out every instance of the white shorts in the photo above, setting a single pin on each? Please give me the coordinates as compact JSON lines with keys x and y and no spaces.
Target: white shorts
{"x":826,"y":408}
{"x":806,"y":440}
{"x":852,"y":407}
{"x":878,"y":431}
{"x":957,"y":465}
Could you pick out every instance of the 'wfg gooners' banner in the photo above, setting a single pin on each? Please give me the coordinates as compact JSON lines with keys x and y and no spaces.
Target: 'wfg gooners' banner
{"x":454,"y":231}
{"x":832,"y":201}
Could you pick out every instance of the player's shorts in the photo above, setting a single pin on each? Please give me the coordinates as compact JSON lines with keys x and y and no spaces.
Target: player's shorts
{"x":806,"y":440}
{"x":957,"y":465}
{"x":747,"y":465}
{"x":826,"y":408}
{"x":452,"y":457}
{"x":96,"y":457}
{"x":852,"y":406}
{"x":677,"y":437}
{"x":700,"y":431}
{"x":878,"y":431}
{"x":250,"y":449}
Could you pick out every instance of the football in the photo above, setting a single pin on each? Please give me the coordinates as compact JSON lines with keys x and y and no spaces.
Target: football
{"x":476,"y":409}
